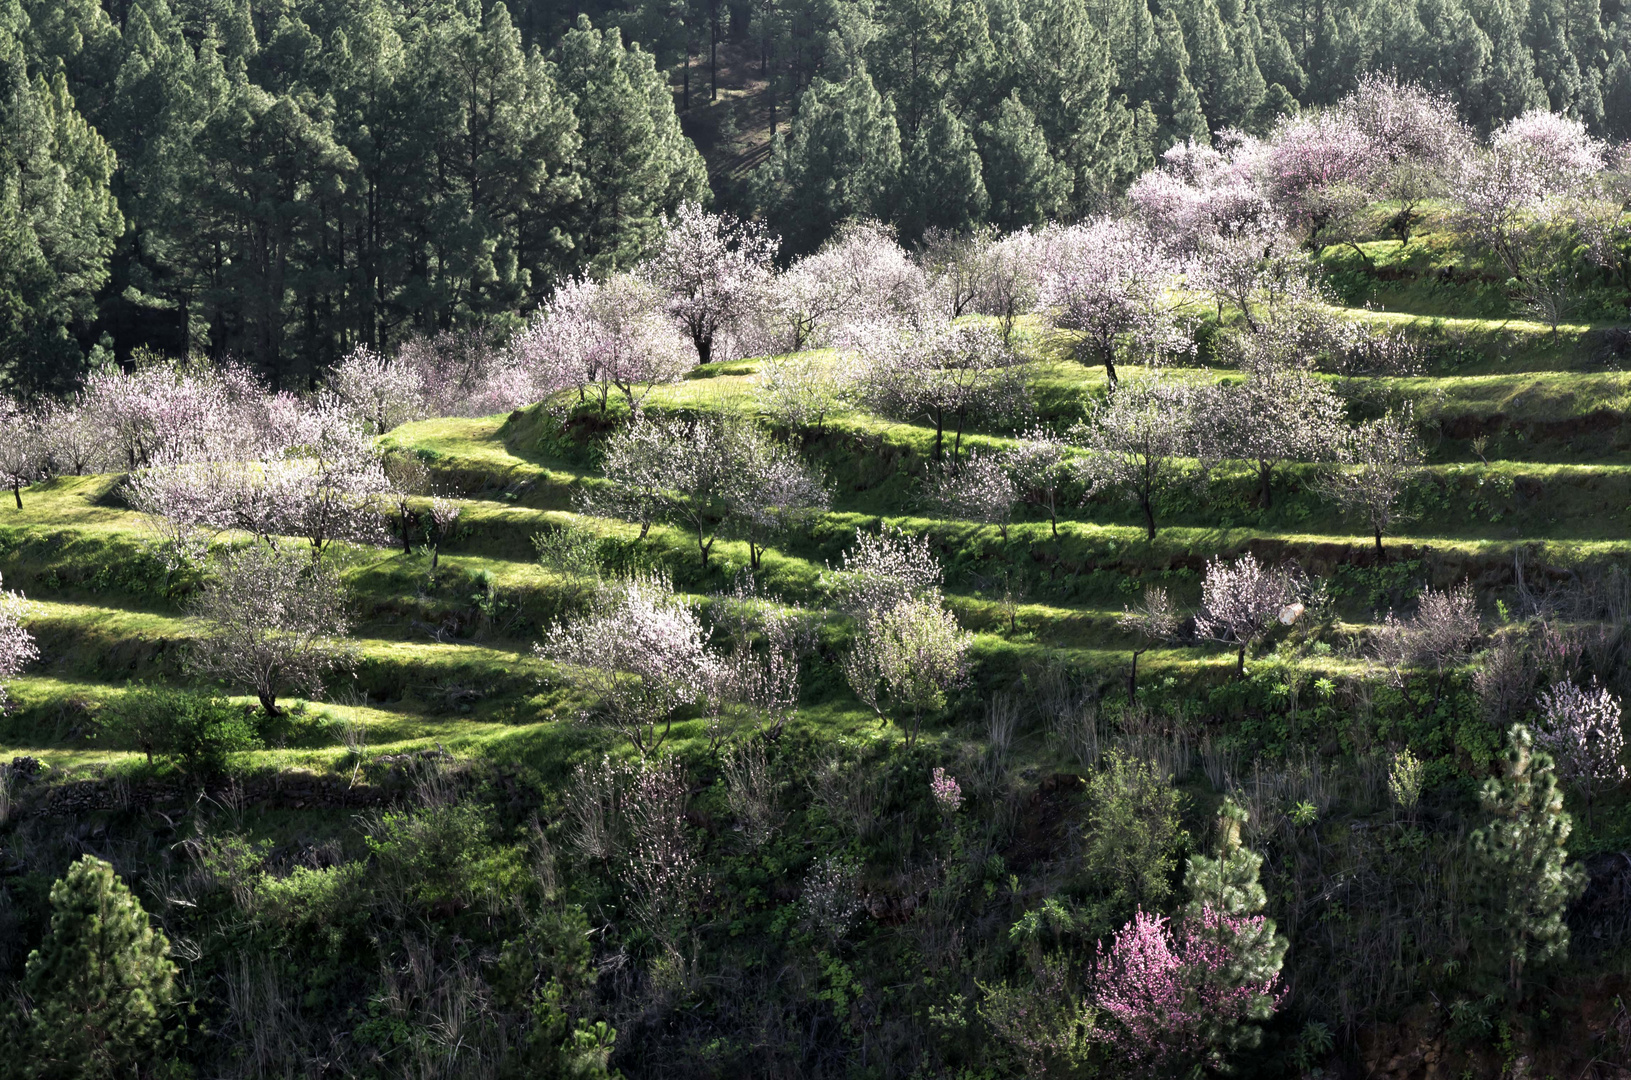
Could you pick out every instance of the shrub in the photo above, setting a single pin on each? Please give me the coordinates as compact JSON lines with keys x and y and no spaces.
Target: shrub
{"x":198,"y":732}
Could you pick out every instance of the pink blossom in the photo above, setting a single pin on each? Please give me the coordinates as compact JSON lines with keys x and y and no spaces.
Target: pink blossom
{"x":948,"y":794}
{"x":1162,"y":987}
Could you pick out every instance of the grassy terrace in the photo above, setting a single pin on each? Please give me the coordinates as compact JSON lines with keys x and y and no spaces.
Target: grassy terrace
{"x":1530,"y":450}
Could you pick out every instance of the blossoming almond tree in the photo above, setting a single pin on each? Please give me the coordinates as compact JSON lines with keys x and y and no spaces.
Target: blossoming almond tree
{"x":1156,"y":620}
{"x":1106,"y":280}
{"x":1137,"y":440}
{"x":1040,"y":464}
{"x":276,"y":623}
{"x":25,"y":449}
{"x":1584,"y":732}
{"x":17,"y":647}
{"x":1378,"y":458}
{"x":640,"y":655}
{"x":1241,"y":600}
{"x":712,"y":266}
{"x":946,"y":374}
{"x":881,"y":570}
{"x":611,"y":334}
{"x":979,"y":490}
{"x":907,"y":659}
{"x":380,"y":393}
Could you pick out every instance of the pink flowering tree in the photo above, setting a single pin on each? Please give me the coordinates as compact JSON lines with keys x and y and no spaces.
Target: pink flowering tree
{"x":275,"y":624}
{"x":1040,"y":464}
{"x":908,"y":651}
{"x":17,"y":648}
{"x":640,"y":655}
{"x":25,"y":450}
{"x":1200,"y":987}
{"x":1515,"y":199}
{"x":946,"y":791}
{"x":905,"y":661}
{"x":611,"y":334}
{"x":1584,"y":732}
{"x":378,"y":392}
{"x":770,"y":490}
{"x":1137,"y":442}
{"x":1279,"y":413}
{"x":1107,"y":281}
{"x":444,"y":517}
{"x":981,"y":490}
{"x":1376,"y":461}
{"x":1198,"y":193}
{"x":1241,"y":600}
{"x":945,"y":374}
{"x":880,"y":570}
{"x":1416,"y":140}
{"x":660,"y":868}
{"x":331,"y":487}
{"x":860,"y":276}
{"x":712,"y":267}
{"x":1317,"y":170}
{"x":1255,"y":269}
{"x":759,"y":675}
{"x":1156,"y":620}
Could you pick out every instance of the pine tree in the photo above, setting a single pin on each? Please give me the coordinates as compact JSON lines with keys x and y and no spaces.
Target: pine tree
{"x":58,"y":219}
{"x":841,"y":159}
{"x":100,"y":984}
{"x":1067,"y":86}
{"x":1184,"y":120}
{"x":1617,"y":96}
{"x":1225,"y":909}
{"x":1456,"y":52}
{"x":941,"y":186}
{"x":1511,"y":86}
{"x":1523,"y":852}
{"x":1026,"y":186}
{"x":1547,"y":36}
{"x":634,"y":164}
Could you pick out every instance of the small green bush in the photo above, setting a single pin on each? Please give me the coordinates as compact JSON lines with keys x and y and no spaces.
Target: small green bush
{"x":198,"y":732}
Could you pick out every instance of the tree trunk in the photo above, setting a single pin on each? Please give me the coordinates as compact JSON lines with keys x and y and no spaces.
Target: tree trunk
{"x":939,"y":437}
{"x":705,"y":347}
{"x":1378,"y":545}
{"x":407,"y":527}
{"x":269,"y":703}
{"x":1110,"y":369}
{"x":704,"y":548}
{"x":17,"y":493}
{"x":1132,"y":678}
{"x":1149,"y":515}
{"x":1266,"y":472}
{"x":754,"y":552}
{"x":1240,"y":660}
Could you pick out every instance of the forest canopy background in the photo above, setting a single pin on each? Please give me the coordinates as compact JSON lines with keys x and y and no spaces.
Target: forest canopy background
{"x":281,"y":182}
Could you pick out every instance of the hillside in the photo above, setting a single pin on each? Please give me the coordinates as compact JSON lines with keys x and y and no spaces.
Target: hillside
{"x":1524,"y":495}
